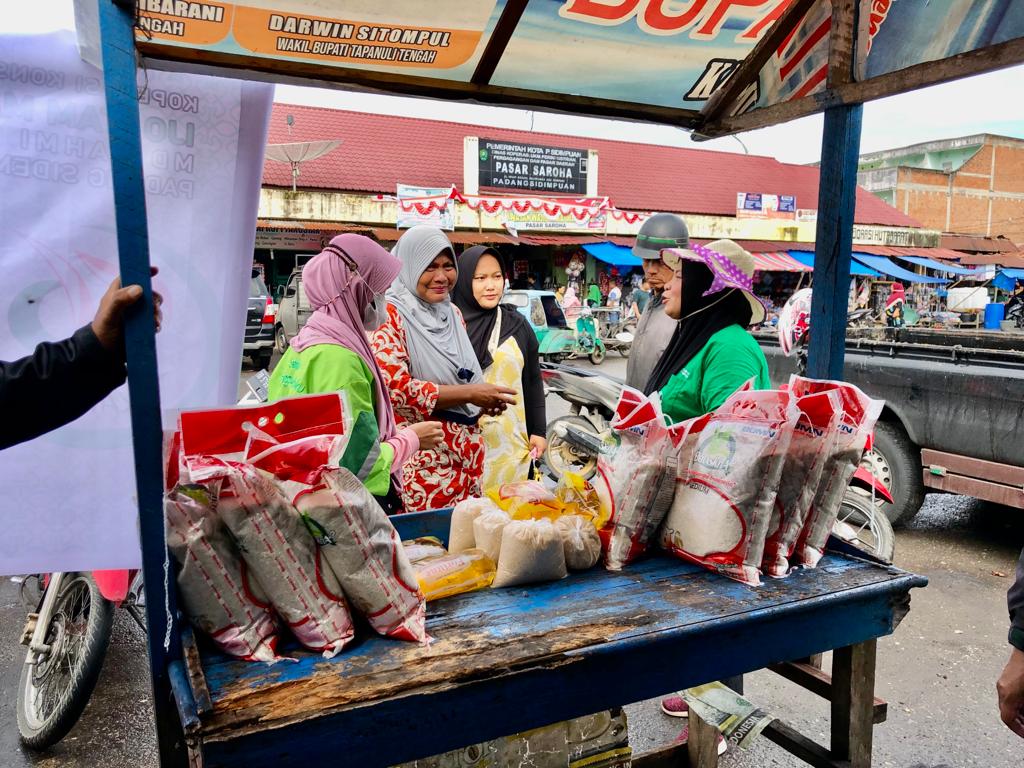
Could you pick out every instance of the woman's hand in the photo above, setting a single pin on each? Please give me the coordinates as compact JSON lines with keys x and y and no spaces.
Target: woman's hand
{"x":429,"y":433}
{"x":537,"y":447}
{"x":490,"y":398}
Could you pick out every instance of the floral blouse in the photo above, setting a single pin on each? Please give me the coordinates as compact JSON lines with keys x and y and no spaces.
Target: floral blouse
{"x":451,"y":472}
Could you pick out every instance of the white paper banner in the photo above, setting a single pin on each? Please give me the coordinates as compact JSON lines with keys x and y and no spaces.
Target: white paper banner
{"x":68,"y":500}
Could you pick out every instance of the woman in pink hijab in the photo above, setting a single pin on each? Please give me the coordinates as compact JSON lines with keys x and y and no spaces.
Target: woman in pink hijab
{"x":345,"y":286}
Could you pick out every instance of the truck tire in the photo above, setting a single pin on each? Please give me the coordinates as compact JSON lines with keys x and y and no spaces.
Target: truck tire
{"x":896,"y":461}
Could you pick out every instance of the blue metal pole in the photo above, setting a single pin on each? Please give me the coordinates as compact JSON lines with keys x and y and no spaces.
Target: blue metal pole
{"x":837,"y":193}
{"x":117,"y":32}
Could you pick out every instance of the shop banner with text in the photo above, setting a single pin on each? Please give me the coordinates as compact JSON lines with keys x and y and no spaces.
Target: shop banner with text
{"x":69,"y":496}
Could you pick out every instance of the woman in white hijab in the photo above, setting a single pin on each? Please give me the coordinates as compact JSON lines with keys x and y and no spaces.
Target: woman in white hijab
{"x":431,"y":372}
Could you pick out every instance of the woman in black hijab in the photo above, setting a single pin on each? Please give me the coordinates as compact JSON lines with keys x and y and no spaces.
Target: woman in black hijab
{"x":711,"y":354}
{"x":506,"y":348}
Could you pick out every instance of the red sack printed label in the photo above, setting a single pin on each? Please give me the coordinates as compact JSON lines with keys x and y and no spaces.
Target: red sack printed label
{"x":218,"y":597}
{"x":729,"y":468}
{"x":280,"y":551}
{"x":813,"y":436}
{"x":859,"y":414}
{"x":365,"y":552}
{"x":641,"y":478}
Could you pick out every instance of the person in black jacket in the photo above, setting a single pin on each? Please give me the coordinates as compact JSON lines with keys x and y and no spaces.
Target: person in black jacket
{"x":62,"y":380}
{"x":1011,"y":683}
{"x":506,"y":349}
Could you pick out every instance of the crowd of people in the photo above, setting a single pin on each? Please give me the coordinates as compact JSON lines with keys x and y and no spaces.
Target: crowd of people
{"x":447,"y":378}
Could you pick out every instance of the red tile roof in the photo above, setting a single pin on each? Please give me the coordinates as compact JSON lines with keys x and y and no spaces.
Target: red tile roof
{"x":380,"y":151}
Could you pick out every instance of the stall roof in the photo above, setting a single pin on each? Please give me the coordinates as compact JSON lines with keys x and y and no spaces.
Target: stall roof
{"x":778,"y":261}
{"x":718,"y":67}
{"x":856,"y":268}
{"x":888,"y":267}
{"x":378,"y":154}
{"x":978,"y":244}
{"x":949,"y":269}
{"x":1010,"y":260}
{"x":1006,"y":279}
{"x":616,"y":255}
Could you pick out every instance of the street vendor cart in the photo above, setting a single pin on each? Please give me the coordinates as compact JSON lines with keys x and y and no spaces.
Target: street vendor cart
{"x":509,"y":660}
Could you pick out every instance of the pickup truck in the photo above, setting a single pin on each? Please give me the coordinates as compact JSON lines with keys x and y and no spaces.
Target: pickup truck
{"x":954,"y":414}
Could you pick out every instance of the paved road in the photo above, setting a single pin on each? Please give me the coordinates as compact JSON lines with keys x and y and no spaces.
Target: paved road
{"x":937,"y":671}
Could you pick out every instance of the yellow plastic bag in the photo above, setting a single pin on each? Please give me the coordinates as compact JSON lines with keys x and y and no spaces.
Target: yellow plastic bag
{"x":450,"y":574}
{"x":527,"y":500}
{"x":587,"y":498}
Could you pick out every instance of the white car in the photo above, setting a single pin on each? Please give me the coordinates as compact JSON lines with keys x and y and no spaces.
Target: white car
{"x":292,"y":313}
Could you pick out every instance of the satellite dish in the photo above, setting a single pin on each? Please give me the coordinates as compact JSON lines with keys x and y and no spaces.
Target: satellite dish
{"x":296,"y":153}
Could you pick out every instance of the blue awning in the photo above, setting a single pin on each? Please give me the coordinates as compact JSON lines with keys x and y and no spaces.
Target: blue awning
{"x":857,"y":270}
{"x":1006,"y":279}
{"x":616,"y":255}
{"x":887,"y":267}
{"x":938,"y":266}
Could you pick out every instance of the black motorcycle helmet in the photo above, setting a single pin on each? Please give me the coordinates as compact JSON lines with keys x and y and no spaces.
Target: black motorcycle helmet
{"x":662,"y":230}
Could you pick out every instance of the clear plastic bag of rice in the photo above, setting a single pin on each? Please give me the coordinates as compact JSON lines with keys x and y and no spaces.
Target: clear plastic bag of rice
{"x":531,"y":552}
{"x":423,"y":547}
{"x":220,"y":598}
{"x":487,"y":529}
{"x":461,"y":536}
{"x":580,"y":542}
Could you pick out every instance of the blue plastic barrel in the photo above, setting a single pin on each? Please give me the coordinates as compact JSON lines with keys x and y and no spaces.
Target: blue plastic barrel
{"x":994,"y":313}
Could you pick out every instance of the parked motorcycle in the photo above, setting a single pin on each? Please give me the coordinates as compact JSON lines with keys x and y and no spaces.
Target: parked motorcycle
{"x":67,"y":637}
{"x":575,"y":442}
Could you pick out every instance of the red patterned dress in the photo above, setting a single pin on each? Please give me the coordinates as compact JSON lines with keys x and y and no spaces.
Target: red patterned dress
{"x":451,"y":472}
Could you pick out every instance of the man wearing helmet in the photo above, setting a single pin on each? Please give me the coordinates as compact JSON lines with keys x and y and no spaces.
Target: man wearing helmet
{"x":655,"y":328}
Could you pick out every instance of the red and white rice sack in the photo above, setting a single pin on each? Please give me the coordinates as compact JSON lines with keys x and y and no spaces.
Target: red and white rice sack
{"x":729,"y":468}
{"x":853,"y":433}
{"x":219,"y":597}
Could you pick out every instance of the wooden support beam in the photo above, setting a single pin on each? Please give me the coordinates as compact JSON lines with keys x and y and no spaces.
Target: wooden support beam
{"x":988,"y":59}
{"x":837,"y":188}
{"x":702,"y":743}
{"x":499,"y":41}
{"x":841,"y":42}
{"x":800,"y":746}
{"x":813,"y":679}
{"x":853,"y":691}
{"x":749,"y":70}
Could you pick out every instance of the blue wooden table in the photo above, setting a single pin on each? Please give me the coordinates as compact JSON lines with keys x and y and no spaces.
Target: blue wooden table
{"x":506,"y":660}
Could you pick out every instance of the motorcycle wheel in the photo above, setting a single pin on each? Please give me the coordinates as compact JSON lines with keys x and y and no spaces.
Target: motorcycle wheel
{"x":53,"y":692}
{"x":863,"y":524}
{"x":561,"y":457}
{"x":598,"y":355}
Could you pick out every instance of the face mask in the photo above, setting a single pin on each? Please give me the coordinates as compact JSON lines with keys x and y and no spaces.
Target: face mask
{"x":375,"y":314}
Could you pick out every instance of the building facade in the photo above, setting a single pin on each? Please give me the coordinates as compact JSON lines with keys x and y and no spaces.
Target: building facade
{"x":972,"y":185}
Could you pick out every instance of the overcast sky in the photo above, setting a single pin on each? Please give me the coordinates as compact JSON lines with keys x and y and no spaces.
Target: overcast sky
{"x":989,"y":103}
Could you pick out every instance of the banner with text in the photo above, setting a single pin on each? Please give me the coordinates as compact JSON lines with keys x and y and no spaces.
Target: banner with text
{"x":533,"y":167}
{"x":425,"y":205}
{"x":69,"y":496}
{"x":754,"y":205}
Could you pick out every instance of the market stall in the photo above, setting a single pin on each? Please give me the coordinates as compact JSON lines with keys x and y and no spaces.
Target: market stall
{"x":558,"y":650}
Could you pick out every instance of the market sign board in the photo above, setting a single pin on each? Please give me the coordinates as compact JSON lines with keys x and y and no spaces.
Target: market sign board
{"x":532,"y":167}
{"x":713,"y":65}
{"x":754,"y":205}
{"x":425,"y":205}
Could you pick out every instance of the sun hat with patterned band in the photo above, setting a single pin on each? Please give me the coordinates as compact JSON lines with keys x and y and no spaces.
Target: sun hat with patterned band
{"x":731,"y":267}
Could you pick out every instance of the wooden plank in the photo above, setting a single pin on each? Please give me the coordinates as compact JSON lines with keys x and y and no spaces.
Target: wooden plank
{"x":978,"y":468}
{"x":988,"y":59}
{"x":841,"y":41}
{"x":194,"y":670}
{"x":181,"y":59}
{"x":702,"y":743}
{"x":117,"y":36}
{"x":833,"y":248}
{"x":853,"y":689}
{"x":499,"y":41}
{"x":749,"y":69}
{"x":1008,"y":495}
{"x":800,"y":746}
{"x":813,"y":679}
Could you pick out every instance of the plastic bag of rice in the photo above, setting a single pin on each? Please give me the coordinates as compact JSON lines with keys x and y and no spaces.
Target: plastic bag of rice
{"x":813,"y":435}
{"x":220,"y":598}
{"x":461,"y":536}
{"x":487,"y":530}
{"x":580,"y":542}
{"x":531,"y":552}
{"x":853,"y":432}
{"x":642,"y":476}
{"x":729,"y":470}
{"x":364,"y":551}
{"x":423,"y":547}
{"x":281,"y":553}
